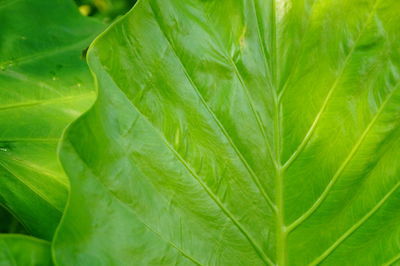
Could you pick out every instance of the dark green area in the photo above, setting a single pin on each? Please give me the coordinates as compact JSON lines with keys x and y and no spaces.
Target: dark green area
{"x":106,"y":10}
{"x":8,"y":224}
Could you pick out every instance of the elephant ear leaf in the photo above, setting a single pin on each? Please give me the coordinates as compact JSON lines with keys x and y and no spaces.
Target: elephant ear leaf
{"x":20,"y":250}
{"x":239,"y":133}
{"x":45,"y":84}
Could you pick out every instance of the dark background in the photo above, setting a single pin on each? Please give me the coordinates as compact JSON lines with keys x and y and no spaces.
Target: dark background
{"x":105,"y":10}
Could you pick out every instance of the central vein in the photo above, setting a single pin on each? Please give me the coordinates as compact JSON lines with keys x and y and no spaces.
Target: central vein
{"x":279,"y":170}
{"x":280,"y":225}
{"x":281,"y":231}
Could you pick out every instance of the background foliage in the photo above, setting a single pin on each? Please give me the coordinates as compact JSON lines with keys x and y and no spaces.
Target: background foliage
{"x":107,"y":10}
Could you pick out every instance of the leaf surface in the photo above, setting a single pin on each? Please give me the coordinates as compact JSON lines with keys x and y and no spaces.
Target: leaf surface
{"x":239,"y":132}
{"x":44,"y":85}
{"x":20,"y":250}
{"x":9,"y":224}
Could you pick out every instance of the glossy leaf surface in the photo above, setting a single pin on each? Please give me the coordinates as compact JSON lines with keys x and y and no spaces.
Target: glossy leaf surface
{"x":44,"y":85}
{"x":239,"y":132}
{"x":20,"y":250}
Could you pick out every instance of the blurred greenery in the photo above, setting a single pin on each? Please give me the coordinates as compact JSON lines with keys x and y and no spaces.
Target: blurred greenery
{"x":105,"y":10}
{"x":8,"y":224}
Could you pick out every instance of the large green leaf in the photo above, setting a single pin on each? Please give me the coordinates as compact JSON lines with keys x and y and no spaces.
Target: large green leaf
{"x":44,"y":85}
{"x":239,"y":132}
{"x":20,"y":250}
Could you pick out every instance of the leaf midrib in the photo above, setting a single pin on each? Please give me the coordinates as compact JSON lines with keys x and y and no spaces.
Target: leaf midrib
{"x":359,"y":142}
{"x":281,"y":228}
{"x":278,"y":133}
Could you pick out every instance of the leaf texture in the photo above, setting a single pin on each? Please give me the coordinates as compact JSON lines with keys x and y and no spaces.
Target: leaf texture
{"x":239,"y":132}
{"x":45,"y":85}
{"x":20,"y":250}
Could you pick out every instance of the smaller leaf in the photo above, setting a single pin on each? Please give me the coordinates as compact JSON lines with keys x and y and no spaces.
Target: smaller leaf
{"x":44,"y":86}
{"x":23,"y":250}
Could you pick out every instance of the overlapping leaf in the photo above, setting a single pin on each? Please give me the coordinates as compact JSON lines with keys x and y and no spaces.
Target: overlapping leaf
{"x":239,"y":132}
{"x":44,"y":85}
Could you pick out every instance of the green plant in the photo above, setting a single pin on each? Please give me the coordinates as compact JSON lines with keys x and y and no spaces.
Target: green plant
{"x":235,"y":132}
{"x":105,"y":10}
{"x":45,"y":85}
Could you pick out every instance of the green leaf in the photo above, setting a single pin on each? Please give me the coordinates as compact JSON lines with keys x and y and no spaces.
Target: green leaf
{"x":20,"y":250}
{"x":45,"y":84}
{"x":239,"y":132}
{"x":9,"y":224}
{"x":106,"y":10}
